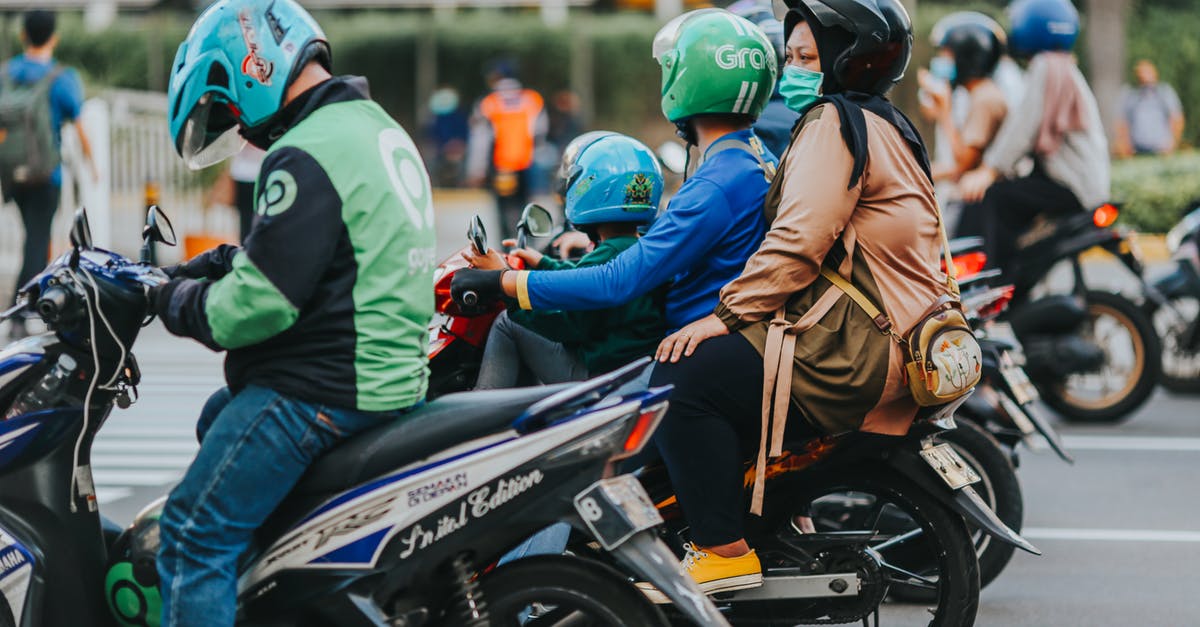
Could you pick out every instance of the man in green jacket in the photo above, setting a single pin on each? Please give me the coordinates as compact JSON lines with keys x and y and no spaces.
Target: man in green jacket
{"x":324,"y":310}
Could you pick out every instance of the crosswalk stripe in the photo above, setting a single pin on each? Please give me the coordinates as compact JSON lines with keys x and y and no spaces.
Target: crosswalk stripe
{"x":133,"y":462}
{"x":114,"y":478}
{"x":144,"y":446}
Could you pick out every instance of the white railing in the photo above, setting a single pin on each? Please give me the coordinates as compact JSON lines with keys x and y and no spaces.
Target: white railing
{"x":132,"y":148}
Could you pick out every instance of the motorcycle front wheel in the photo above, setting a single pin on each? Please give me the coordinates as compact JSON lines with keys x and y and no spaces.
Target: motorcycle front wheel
{"x":560,"y":590}
{"x":1132,"y":361}
{"x":1180,"y":366}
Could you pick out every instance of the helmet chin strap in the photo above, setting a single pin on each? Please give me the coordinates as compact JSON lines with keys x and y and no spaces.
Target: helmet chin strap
{"x":686,"y":130}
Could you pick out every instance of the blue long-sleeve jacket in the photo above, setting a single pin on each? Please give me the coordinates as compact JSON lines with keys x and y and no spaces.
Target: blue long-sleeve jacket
{"x":700,"y":243}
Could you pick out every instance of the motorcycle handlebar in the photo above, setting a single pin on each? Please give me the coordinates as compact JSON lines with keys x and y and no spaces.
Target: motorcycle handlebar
{"x":52,"y":303}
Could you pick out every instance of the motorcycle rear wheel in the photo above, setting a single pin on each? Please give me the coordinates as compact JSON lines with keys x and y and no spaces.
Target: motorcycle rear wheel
{"x":560,"y":589}
{"x":928,"y":530}
{"x":999,"y":488}
{"x":1135,"y":386}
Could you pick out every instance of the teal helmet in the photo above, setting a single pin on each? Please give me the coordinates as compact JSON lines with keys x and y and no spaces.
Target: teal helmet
{"x":233,"y":71}
{"x":714,"y":62}
{"x":609,"y":177}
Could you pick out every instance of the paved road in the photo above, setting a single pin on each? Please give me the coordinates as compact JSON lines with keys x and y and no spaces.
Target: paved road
{"x":1119,"y":529}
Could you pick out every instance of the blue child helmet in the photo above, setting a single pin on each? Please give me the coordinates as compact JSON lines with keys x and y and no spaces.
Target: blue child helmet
{"x":609,"y":177}
{"x":1041,"y":26}
{"x":233,"y":69}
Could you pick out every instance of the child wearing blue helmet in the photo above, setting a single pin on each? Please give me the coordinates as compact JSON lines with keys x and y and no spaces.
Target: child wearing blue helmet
{"x":611,"y":185}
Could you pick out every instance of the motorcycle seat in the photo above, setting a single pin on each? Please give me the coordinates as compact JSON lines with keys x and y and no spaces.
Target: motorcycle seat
{"x":439,"y":425}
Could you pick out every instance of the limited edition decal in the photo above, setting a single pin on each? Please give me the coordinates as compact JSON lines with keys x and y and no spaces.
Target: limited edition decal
{"x":476,"y":505}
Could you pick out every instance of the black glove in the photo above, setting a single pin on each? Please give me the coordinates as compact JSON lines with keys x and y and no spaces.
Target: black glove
{"x":211,"y":265}
{"x":471,"y":288}
{"x":159,"y":297}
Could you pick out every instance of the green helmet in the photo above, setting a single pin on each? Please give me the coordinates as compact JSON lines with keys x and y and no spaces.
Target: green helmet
{"x":714,"y":62}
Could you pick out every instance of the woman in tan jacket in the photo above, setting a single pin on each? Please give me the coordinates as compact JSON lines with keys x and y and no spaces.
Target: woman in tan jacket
{"x":853,"y":195}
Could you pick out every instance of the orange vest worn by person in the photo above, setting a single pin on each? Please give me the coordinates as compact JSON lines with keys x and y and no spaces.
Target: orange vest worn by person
{"x":513,"y":115}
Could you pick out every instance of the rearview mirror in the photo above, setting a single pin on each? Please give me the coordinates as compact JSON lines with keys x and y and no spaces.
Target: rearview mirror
{"x":673,"y":157}
{"x":158,"y":227}
{"x":478,"y":236}
{"x":81,"y":231}
{"x":537,"y":220}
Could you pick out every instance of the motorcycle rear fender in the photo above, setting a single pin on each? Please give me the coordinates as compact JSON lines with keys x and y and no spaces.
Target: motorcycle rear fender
{"x":1180,"y":282}
{"x":965,"y":501}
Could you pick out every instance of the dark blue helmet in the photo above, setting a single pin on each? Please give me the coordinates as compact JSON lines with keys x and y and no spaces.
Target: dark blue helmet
{"x":1041,"y":26}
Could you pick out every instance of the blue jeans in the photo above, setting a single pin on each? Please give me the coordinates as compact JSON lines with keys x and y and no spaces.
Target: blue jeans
{"x":254,"y":447}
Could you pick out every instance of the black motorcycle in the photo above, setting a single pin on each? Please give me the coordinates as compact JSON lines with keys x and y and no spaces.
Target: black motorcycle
{"x":1093,"y":355}
{"x":1177,"y":314}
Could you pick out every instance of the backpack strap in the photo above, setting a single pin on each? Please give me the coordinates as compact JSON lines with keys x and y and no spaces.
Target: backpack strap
{"x":47,"y":82}
{"x":754,"y":147}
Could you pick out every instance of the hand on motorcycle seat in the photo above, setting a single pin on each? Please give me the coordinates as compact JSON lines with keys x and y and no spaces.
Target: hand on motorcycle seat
{"x":491,"y":261}
{"x":530,"y":256}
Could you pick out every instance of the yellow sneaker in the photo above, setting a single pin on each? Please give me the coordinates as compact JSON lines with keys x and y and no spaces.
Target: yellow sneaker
{"x":713,"y":573}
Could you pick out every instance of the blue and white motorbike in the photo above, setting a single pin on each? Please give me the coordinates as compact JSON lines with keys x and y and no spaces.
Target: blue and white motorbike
{"x":399,"y":526}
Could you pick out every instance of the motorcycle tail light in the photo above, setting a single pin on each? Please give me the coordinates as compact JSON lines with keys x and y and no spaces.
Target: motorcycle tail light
{"x":643,"y":427}
{"x":968,"y":264}
{"x":1105,"y":215}
{"x":1003,"y":296}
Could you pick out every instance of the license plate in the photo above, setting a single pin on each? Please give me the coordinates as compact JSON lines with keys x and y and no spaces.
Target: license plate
{"x":950,"y":466}
{"x":615,"y":509}
{"x":1014,"y":375}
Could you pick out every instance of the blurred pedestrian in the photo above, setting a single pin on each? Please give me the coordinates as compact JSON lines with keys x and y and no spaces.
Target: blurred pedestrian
{"x":37,"y":96}
{"x":447,"y":135}
{"x":506,"y":128}
{"x":1151,"y":121}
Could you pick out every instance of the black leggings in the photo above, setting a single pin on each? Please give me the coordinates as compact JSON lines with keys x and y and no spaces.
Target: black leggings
{"x":1007,"y":210}
{"x":711,"y":429}
{"x":37,"y":204}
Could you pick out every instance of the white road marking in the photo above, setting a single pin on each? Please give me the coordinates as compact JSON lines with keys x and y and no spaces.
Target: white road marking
{"x":1110,"y":535}
{"x":1131,"y":443}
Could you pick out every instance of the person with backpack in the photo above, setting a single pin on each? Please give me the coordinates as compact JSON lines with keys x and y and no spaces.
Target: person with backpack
{"x":37,"y":96}
{"x":792,"y":346}
{"x":1151,"y":120}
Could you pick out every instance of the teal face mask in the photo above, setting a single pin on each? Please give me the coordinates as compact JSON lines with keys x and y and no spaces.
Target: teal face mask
{"x":800,"y":87}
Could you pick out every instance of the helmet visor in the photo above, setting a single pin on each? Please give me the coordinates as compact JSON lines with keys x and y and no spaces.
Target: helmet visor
{"x":569,"y":170}
{"x":210,"y":134}
{"x":668,"y":35}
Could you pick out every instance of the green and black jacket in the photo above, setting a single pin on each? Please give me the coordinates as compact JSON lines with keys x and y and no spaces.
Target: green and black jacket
{"x":603,"y":339}
{"x":330,"y":298}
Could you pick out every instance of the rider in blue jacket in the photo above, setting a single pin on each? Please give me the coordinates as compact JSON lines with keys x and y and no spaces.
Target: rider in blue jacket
{"x":715,"y":222}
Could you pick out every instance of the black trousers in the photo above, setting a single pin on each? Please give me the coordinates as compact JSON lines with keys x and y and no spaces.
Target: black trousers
{"x":509,"y":207}
{"x":1007,"y":210}
{"x":711,"y":429}
{"x":37,"y":204}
